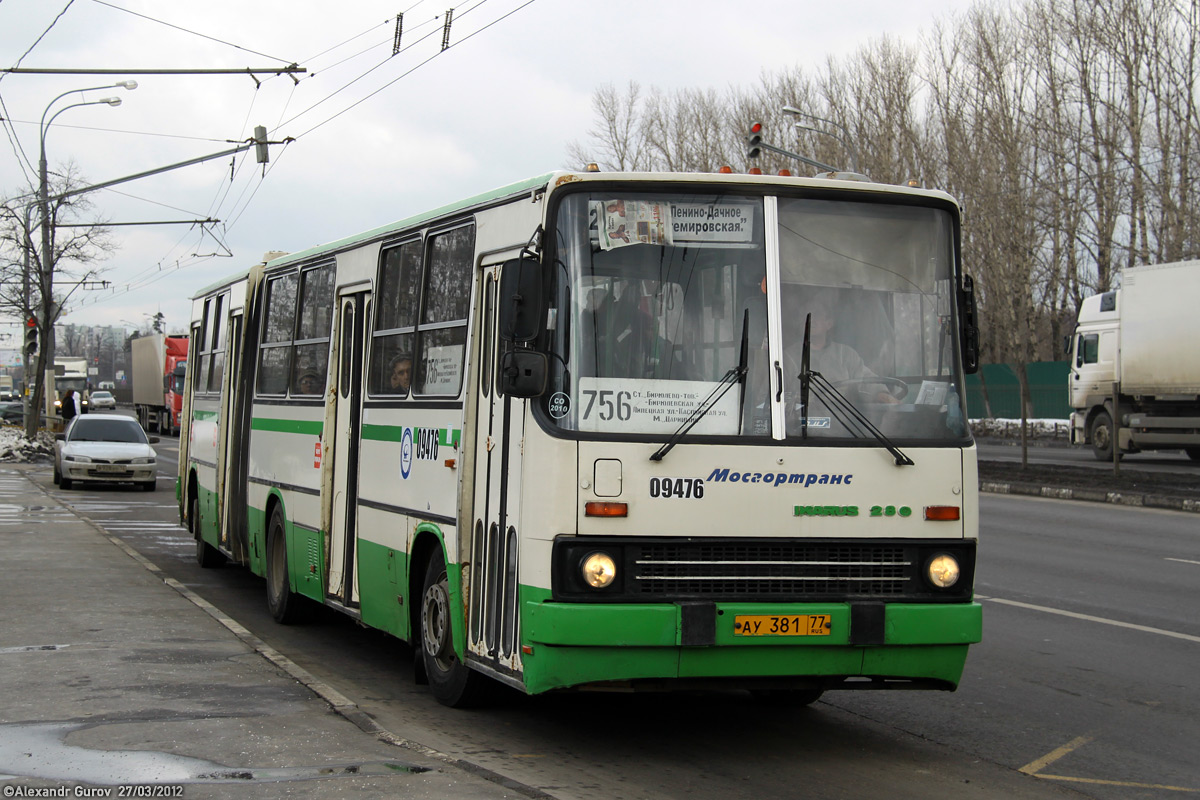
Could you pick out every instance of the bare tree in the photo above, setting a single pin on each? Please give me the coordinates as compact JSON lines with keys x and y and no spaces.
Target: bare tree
{"x":617,"y":138}
{"x":1067,"y":129}
{"x":74,"y":253}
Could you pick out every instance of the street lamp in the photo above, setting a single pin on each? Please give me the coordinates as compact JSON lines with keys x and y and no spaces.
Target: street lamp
{"x":47,"y":272}
{"x":847,"y":142}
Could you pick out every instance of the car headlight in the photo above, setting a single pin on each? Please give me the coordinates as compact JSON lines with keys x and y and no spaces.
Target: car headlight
{"x":80,"y":459}
{"x":143,"y":461}
{"x":943,"y":570}
{"x":599,"y":570}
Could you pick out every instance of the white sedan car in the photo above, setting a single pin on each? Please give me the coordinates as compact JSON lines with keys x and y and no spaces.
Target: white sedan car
{"x":102,"y":399}
{"x":105,"y":448}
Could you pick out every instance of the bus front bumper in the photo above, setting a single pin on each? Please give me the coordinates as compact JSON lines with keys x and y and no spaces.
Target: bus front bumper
{"x":573,"y":644}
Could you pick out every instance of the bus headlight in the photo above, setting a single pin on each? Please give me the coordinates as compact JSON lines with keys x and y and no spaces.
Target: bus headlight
{"x":943,"y":570}
{"x":599,"y":570}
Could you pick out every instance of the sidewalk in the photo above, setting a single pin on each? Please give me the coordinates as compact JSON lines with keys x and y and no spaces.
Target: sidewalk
{"x":111,"y":676}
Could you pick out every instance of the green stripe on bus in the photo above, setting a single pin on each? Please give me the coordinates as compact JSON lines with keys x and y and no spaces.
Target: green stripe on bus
{"x":205,"y":414}
{"x":301,"y":426}
{"x":447,"y":437}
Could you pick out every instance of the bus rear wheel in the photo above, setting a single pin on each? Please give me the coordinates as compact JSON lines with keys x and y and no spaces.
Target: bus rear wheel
{"x":452,"y":682}
{"x":284,"y":605}
{"x":207,"y":556}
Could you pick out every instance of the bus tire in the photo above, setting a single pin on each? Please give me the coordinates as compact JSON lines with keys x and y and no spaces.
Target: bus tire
{"x":452,"y":682}
{"x":207,"y":556}
{"x":282,"y":602}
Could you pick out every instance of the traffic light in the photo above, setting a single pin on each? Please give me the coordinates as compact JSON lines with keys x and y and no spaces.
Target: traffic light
{"x":754,"y":140}
{"x":31,"y":336}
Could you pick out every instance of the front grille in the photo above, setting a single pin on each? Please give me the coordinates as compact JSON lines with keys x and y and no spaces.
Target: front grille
{"x":760,"y":570}
{"x":757,"y":570}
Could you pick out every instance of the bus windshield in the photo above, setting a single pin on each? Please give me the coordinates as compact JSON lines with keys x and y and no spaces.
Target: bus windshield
{"x":659,"y":290}
{"x":655,"y":294}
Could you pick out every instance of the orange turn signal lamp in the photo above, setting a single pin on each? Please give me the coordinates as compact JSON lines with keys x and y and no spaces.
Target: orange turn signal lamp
{"x":599,"y":509}
{"x":942,"y":513}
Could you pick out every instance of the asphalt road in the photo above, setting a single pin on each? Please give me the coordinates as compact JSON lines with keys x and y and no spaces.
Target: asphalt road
{"x":1084,"y":684}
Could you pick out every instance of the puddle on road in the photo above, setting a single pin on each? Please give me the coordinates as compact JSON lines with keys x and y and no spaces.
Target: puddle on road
{"x":38,"y":751}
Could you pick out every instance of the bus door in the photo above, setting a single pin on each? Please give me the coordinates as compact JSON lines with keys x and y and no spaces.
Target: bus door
{"x":343,"y":581}
{"x":494,"y":519}
{"x":232,"y":472}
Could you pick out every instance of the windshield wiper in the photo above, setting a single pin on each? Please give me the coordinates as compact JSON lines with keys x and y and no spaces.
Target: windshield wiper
{"x":805,"y":354}
{"x":737,"y":373}
{"x":846,"y":413}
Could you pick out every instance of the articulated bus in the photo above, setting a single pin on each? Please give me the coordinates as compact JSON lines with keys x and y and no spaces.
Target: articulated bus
{"x":609,"y":431}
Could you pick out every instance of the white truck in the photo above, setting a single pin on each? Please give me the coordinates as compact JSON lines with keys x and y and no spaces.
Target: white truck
{"x":71,"y":372}
{"x":159,"y":366}
{"x":1141,"y":337}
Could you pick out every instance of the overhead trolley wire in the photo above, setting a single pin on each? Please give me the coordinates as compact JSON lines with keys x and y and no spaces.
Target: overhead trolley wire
{"x":194,"y":33}
{"x":242,"y":203}
{"x":14,"y":140}
{"x":410,"y":71}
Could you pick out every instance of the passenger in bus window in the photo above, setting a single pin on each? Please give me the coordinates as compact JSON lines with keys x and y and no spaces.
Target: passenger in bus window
{"x":626,"y":337}
{"x":838,"y":363}
{"x":309,"y":383}
{"x":401,"y":374}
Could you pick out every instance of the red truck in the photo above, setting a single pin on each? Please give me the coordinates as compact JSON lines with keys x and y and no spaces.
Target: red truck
{"x":159,"y":367}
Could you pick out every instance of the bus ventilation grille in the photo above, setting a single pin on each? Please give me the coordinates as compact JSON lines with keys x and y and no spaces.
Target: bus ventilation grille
{"x":753,"y":570}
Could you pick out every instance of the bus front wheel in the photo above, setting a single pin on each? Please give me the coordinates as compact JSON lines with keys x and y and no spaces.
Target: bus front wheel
{"x":452,"y":682}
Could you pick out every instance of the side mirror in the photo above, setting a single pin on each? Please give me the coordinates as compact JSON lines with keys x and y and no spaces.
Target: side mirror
{"x":152,"y":439}
{"x":1067,"y":345}
{"x":61,"y":437}
{"x":520,"y":300}
{"x":969,"y":326}
{"x":523,"y":373}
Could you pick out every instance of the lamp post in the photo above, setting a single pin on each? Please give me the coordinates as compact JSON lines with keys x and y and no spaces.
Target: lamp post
{"x":847,"y":142}
{"x":46,"y":277}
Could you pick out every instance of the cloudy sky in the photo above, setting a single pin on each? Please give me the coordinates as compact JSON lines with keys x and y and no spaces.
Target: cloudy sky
{"x":377,"y":137}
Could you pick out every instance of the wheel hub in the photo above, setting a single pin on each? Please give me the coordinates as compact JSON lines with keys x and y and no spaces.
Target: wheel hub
{"x":435,"y":621}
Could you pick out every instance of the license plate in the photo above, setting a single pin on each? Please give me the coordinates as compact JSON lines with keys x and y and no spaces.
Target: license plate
{"x":111,"y":468}
{"x":782,"y":625}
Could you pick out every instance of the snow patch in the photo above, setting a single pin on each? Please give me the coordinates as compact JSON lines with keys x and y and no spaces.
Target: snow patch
{"x":14,"y":447}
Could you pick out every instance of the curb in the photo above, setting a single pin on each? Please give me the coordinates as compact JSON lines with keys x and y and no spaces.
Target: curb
{"x":1094,"y":496}
{"x":337,"y":702}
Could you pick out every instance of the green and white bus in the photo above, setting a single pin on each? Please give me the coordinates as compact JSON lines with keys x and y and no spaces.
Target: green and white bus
{"x":609,"y":431}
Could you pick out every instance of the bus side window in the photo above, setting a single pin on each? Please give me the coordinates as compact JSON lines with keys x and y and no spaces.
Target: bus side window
{"x":311,"y":355}
{"x":446,"y":303}
{"x":395,"y":319}
{"x":275,"y":352}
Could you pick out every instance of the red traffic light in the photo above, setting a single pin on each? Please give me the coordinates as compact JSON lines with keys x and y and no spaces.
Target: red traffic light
{"x":756,"y":127}
{"x":31,"y":322}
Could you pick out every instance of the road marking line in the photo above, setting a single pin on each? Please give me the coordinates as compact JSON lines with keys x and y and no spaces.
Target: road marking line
{"x":1089,"y":618}
{"x":1130,"y":784}
{"x":1182,"y":560}
{"x":1033,"y":767}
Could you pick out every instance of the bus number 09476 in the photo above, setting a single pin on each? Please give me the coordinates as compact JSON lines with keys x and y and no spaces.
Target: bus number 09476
{"x":683,"y":488}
